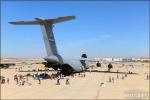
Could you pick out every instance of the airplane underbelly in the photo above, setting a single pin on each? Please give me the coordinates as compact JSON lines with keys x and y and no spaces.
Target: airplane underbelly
{"x":76,"y":65}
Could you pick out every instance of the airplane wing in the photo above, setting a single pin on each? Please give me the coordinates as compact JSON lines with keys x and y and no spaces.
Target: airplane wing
{"x":25,"y":23}
{"x":61,"y":19}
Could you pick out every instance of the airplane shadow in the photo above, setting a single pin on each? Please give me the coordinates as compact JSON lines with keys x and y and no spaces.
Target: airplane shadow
{"x":36,"y":71}
{"x":111,"y":72}
{"x":96,"y":71}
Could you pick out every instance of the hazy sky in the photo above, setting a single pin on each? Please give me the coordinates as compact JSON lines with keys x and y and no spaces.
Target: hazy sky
{"x":101,"y":29}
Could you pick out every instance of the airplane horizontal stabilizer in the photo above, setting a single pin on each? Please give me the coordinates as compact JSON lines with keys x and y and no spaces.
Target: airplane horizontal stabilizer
{"x":39,"y":21}
{"x":25,"y":23}
{"x":62,"y":19}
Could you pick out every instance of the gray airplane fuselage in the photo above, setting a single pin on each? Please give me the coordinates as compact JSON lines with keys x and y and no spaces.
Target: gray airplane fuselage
{"x":53,"y":58}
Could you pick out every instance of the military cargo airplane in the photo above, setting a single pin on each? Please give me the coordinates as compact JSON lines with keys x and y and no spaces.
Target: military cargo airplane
{"x":54,"y":59}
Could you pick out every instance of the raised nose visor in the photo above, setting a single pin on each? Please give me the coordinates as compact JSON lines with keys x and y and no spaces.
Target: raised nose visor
{"x":52,"y":59}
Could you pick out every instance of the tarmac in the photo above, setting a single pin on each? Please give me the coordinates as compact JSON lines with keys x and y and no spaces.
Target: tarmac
{"x":88,"y":87}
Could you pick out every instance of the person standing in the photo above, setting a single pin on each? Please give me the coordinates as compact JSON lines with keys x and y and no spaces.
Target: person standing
{"x":58,"y":81}
{"x":113,"y":79}
{"x":117,"y":74}
{"x":39,"y":80}
{"x":67,"y":81}
{"x":27,"y":79}
{"x":7,"y":80}
{"x":122,"y":77}
{"x":147,"y":77}
{"x":109,"y":67}
{"x":3,"y":80}
{"x":125,"y":74}
{"x":109,"y":79}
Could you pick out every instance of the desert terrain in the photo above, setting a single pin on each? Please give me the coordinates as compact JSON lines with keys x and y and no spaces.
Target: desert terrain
{"x":94,"y":85}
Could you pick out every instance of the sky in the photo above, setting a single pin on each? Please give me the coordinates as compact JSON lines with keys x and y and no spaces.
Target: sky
{"x":101,"y":29}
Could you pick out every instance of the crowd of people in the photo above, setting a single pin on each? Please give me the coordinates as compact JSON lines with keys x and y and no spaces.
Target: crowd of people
{"x":21,"y":80}
{"x":60,"y":76}
{"x":112,"y":79}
